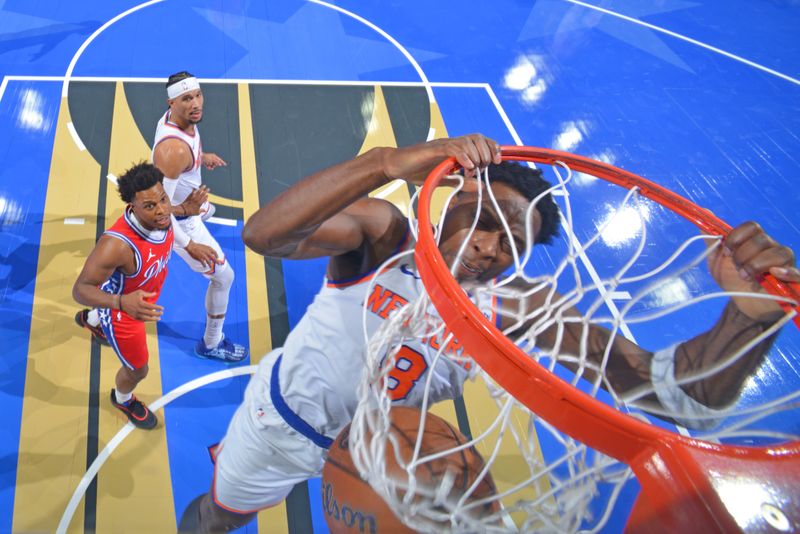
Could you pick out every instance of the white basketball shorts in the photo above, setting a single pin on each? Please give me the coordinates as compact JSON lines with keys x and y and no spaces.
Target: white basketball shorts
{"x":261,"y":457}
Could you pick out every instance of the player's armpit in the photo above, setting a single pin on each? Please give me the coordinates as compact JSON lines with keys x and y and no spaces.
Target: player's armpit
{"x":107,"y":256}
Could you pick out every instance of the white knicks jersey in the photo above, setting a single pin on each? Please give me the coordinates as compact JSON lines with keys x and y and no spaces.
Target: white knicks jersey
{"x":190,"y":178}
{"x":324,"y":355}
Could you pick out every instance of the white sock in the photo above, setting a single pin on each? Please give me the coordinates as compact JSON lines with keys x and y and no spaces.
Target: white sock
{"x":93,"y":317}
{"x":213,"y":334}
{"x":122,"y":398}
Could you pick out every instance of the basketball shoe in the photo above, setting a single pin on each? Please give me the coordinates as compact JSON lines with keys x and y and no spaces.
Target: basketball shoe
{"x":138,"y":414}
{"x":82,"y":320}
{"x":225,"y":351}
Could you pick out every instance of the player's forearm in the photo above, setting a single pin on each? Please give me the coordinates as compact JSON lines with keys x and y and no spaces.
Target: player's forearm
{"x":731,"y":333}
{"x":300,"y":210}
{"x":179,"y":210}
{"x":181,"y":238}
{"x":92,"y":296}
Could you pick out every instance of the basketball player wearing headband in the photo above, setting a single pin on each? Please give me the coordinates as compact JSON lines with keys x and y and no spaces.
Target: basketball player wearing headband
{"x":178,"y":152}
{"x":304,"y":393}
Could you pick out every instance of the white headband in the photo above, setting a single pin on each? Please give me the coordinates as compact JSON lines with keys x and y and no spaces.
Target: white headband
{"x":178,"y":88}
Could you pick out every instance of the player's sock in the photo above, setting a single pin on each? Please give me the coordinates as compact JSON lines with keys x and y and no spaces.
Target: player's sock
{"x":213,"y":334}
{"x":219,"y":288}
{"x":93,"y":317}
{"x":122,"y":398}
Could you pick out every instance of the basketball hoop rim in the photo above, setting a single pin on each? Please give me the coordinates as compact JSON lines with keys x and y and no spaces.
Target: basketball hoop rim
{"x":566,"y":407}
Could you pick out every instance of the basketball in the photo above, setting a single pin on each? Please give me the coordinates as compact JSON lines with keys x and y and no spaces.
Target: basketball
{"x":351,"y":505}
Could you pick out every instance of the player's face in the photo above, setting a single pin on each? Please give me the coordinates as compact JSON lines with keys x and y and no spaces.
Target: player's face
{"x":489,"y":251}
{"x":152,"y":208}
{"x":187,"y":108}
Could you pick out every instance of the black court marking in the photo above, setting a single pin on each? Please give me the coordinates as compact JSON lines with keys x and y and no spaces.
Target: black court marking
{"x":91,"y":106}
{"x":296,"y":131}
{"x":409,"y":112}
{"x":220,"y":133}
{"x":410,"y":115}
{"x":461,"y":417}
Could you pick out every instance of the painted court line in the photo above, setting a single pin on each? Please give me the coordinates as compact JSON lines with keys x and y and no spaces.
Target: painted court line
{"x":120,"y":436}
{"x":88,"y":41}
{"x":75,"y":137}
{"x":255,"y":81}
{"x":608,"y":298}
{"x":222,"y":221}
{"x":688,"y":40}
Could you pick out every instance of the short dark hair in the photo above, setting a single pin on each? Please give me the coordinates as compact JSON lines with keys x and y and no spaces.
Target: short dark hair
{"x":178,"y":76}
{"x":531,"y":184}
{"x":140,"y":177}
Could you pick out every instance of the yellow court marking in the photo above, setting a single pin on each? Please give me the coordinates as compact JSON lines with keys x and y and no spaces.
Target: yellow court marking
{"x":52,"y":447}
{"x":509,"y":467}
{"x":137,"y":476}
{"x":380,"y":133}
{"x":272,"y":520}
{"x":440,"y":195}
{"x":222,"y":201}
{"x":445,"y":410}
{"x":257,"y":303}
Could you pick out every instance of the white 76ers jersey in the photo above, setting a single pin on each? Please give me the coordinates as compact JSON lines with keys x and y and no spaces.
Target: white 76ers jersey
{"x":190,"y":178}
{"x":324,"y":355}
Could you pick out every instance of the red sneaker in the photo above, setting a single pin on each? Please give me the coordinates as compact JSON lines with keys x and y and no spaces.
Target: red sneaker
{"x":138,"y":414}
{"x":81,"y":318}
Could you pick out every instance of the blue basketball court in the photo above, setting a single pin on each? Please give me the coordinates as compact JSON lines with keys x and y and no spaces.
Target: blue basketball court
{"x":700,"y":97}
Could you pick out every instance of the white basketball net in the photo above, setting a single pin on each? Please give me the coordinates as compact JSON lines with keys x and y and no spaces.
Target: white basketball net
{"x":545,"y":480}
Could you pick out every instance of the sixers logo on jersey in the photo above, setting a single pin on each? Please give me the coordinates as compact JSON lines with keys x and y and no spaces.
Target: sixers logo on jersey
{"x":154,"y":269}
{"x":152,"y":251}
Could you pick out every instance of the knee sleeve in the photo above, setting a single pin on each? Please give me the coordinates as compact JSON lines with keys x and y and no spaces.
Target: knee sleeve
{"x":219,"y":288}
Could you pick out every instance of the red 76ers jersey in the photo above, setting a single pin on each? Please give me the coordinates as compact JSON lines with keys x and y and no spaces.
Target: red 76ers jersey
{"x":152,"y":251}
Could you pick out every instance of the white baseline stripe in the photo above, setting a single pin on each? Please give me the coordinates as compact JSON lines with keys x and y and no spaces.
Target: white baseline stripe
{"x":101,"y":458}
{"x":275,"y":81}
{"x":3,"y":87}
{"x":688,"y":40}
{"x":222,"y":221}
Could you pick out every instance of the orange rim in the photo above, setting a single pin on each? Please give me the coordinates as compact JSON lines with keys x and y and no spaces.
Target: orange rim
{"x":638,"y":444}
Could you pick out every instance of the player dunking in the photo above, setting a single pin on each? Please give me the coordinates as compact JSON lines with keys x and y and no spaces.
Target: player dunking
{"x":304,"y":393}
{"x":178,"y":152}
{"x":122,"y":279}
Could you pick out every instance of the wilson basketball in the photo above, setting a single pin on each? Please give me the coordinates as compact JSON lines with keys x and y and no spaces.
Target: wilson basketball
{"x":351,"y":505}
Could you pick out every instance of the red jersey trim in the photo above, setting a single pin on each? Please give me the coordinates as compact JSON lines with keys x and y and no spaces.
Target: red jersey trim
{"x":171,"y":124}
